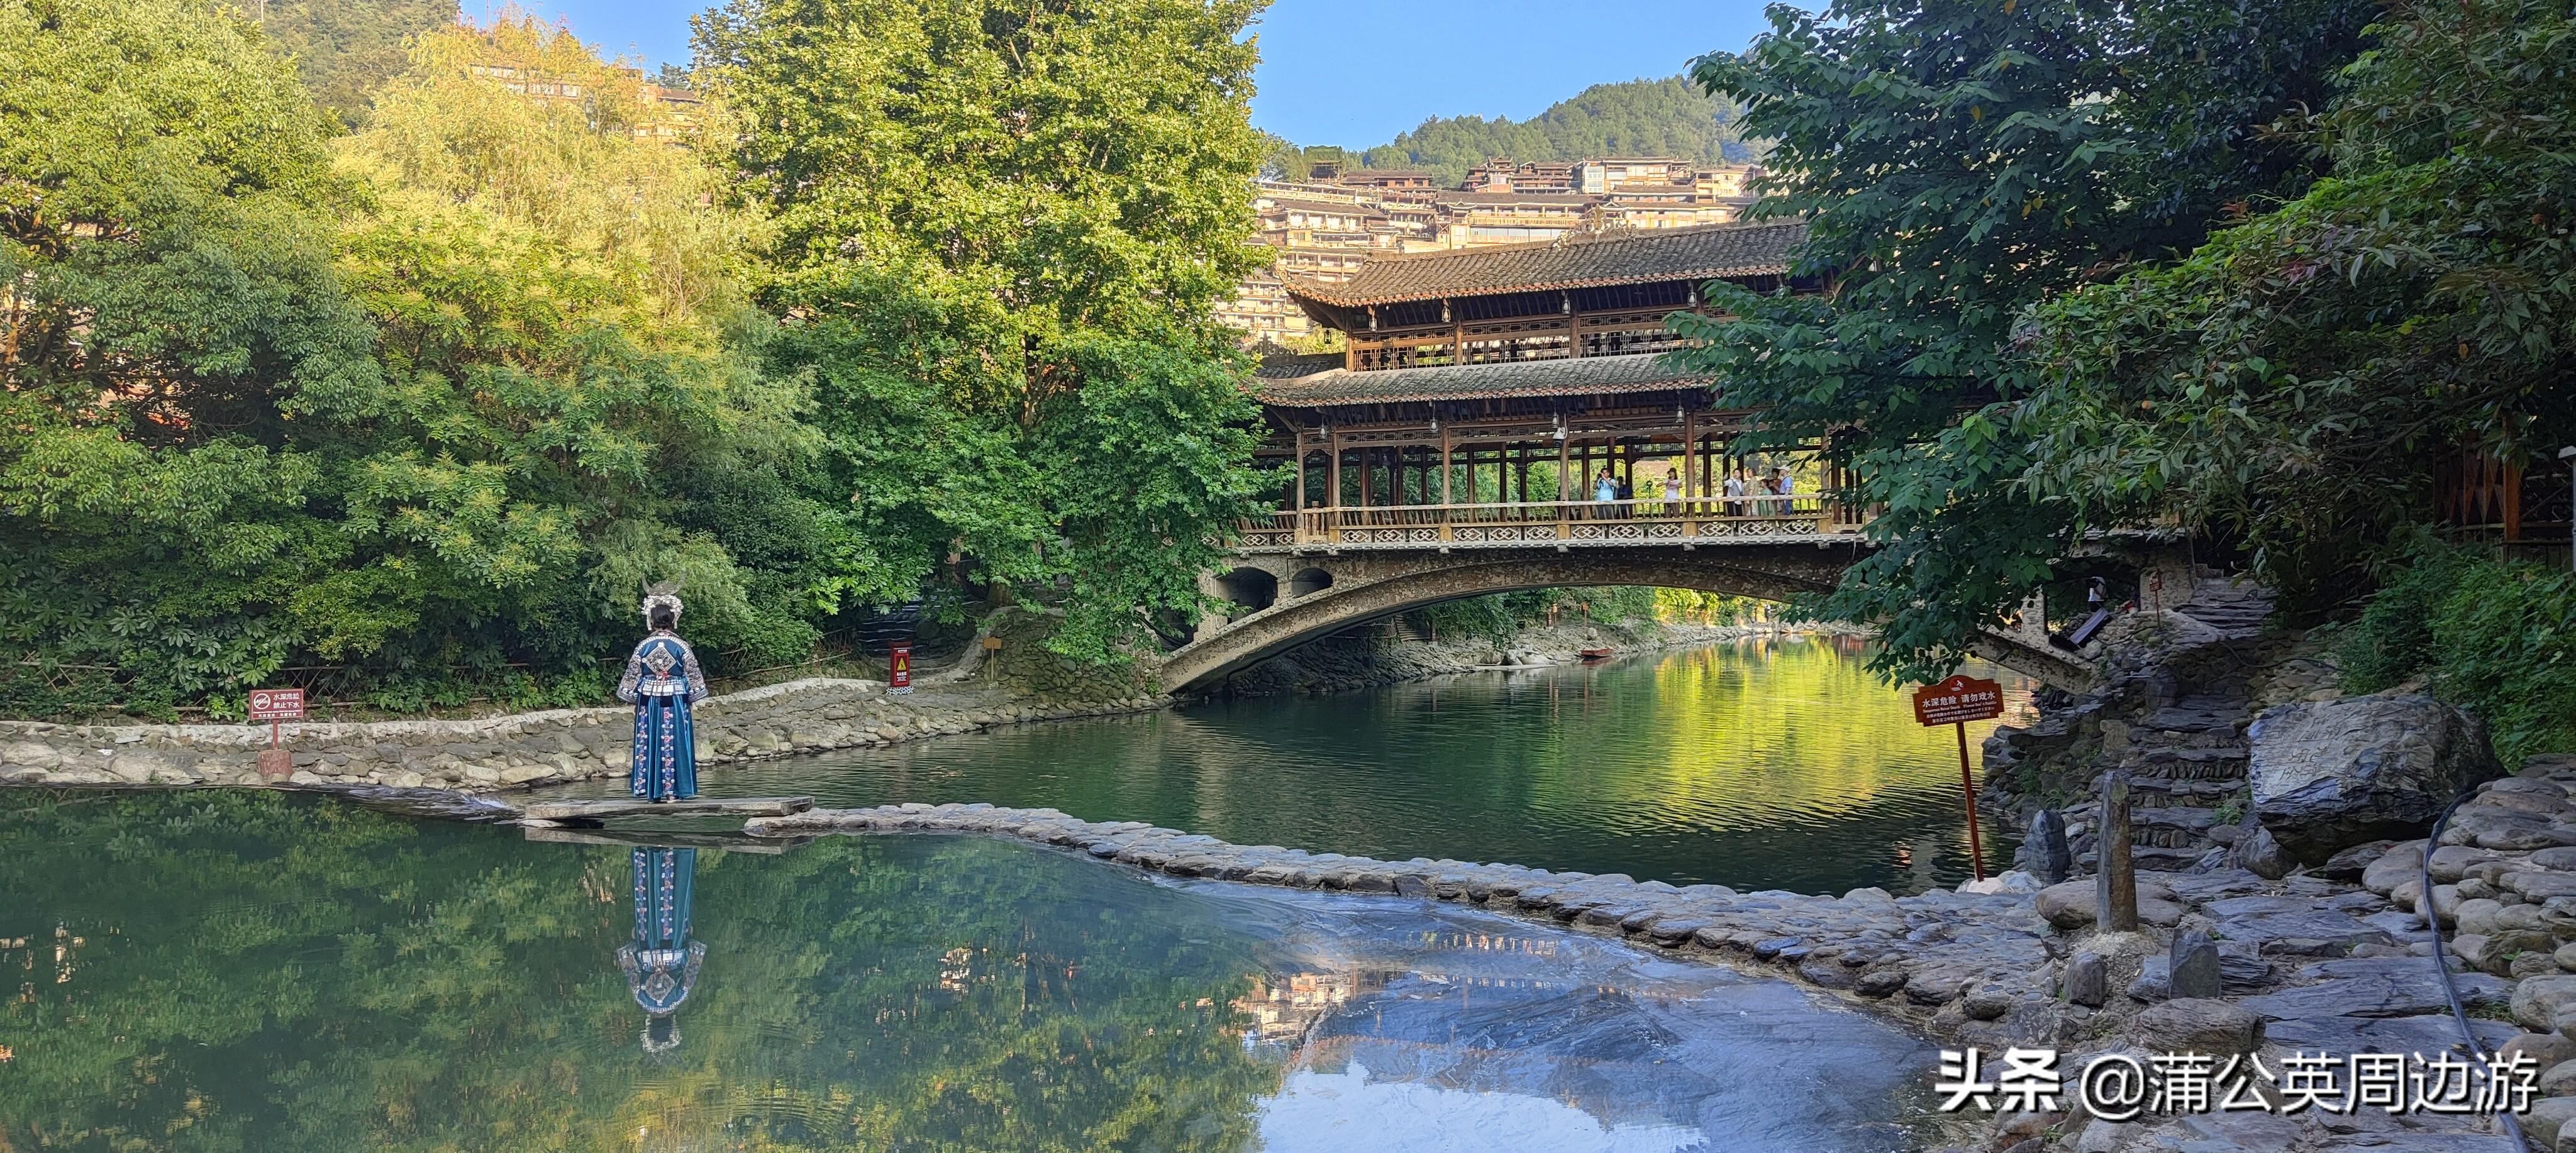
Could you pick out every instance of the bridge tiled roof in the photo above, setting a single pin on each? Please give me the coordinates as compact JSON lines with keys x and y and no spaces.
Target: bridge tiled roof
{"x":1708,"y":252}
{"x":1577,"y":376}
{"x":1280,"y":364}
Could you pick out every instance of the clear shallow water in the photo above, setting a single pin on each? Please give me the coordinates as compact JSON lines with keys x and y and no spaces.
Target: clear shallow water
{"x":1762,"y":764}
{"x":250,"y":971}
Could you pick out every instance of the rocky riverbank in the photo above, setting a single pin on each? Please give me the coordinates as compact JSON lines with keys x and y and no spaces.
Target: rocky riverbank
{"x":2309,"y":962}
{"x":521,"y":750}
{"x":1375,"y":656}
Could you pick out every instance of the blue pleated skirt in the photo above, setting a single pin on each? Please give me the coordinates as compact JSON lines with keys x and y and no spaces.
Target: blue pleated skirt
{"x":666,"y":751}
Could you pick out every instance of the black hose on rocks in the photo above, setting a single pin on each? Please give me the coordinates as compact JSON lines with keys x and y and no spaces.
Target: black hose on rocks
{"x":2442,"y":966}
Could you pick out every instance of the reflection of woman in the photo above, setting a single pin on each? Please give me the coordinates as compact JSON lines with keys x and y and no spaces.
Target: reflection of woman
{"x":661,"y":962}
{"x":662,"y":681}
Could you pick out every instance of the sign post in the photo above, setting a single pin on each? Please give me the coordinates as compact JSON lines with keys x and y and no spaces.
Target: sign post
{"x":1955,"y":702}
{"x":899,"y":667}
{"x":274,"y":706}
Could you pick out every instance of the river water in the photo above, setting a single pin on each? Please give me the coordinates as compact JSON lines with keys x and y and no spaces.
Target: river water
{"x":239,"y":970}
{"x":1761,"y":764}
{"x":225,"y":970}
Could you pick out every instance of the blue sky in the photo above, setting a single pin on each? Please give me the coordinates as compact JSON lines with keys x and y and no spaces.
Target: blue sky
{"x":1356,"y":72}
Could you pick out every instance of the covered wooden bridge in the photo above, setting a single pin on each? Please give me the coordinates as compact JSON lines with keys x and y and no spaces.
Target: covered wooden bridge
{"x":1459,"y":446}
{"x":1493,"y":396}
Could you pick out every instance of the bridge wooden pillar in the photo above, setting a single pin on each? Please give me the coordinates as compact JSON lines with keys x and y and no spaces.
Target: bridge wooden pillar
{"x":1563,"y":445}
{"x":1331,"y":521}
{"x":1690,"y":474}
{"x":1444,"y":484}
{"x":1297,"y":503}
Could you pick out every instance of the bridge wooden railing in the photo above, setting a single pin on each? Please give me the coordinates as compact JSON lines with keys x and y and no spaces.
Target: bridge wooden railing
{"x":1645,"y":520}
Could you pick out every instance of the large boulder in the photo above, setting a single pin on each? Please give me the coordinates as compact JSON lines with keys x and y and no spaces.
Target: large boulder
{"x":2328,"y":775}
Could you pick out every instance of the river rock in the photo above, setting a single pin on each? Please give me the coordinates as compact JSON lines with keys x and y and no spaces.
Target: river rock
{"x":2050,"y":861}
{"x":2328,"y":775}
{"x":2546,"y":1050}
{"x":2192,"y":969}
{"x":2197,"y":1025}
{"x":2088,"y":980}
{"x":2257,"y":852}
{"x":2071,"y":905}
{"x":2547,"y":1119}
{"x":2347,"y":866}
{"x":2536,"y":1000}
{"x":2395,"y":867}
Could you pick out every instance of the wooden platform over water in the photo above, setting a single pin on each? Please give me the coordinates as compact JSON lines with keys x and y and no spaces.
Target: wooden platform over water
{"x":697,"y":807}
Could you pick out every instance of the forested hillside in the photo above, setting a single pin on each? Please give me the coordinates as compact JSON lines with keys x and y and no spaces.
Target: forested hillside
{"x":1668,"y":117}
{"x":345,"y":48}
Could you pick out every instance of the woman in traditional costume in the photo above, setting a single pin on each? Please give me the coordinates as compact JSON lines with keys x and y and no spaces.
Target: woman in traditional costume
{"x":661,"y":961}
{"x":662,"y":681}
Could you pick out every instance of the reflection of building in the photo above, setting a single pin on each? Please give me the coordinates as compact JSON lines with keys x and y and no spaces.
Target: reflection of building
{"x":1284,"y":1007}
{"x":662,"y":113}
{"x":1329,"y":226}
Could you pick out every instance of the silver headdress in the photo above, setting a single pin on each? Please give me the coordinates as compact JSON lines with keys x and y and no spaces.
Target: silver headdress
{"x":663,"y":595}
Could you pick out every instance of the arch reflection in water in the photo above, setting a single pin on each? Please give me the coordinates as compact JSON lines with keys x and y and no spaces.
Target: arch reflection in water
{"x":661,"y":961}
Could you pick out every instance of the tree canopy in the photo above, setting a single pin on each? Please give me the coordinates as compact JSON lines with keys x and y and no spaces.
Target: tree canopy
{"x":2295,"y":380}
{"x":1000,"y":234}
{"x":1960,"y":163}
{"x":419,"y":415}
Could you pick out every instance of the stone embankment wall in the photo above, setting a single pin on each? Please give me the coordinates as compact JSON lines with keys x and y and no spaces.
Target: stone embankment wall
{"x":519,"y":750}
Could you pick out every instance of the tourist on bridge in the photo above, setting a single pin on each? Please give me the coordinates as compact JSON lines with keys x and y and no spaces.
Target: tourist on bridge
{"x":1734,"y":503}
{"x":1673,"y":491}
{"x":663,"y":682}
{"x":1605,"y":489}
{"x":1787,"y":487}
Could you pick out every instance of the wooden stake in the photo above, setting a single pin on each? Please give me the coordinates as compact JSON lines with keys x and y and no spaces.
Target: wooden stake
{"x":2115,"y":885}
{"x":1968,"y":785}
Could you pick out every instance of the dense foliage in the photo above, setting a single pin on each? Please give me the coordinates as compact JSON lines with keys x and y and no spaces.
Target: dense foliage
{"x":409,"y":415}
{"x":1667,"y":117}
{"x":1000,"y":232}
{"x":2296,"y":381}
{"x":1960,"y":162}
{"x":2499,"y":638}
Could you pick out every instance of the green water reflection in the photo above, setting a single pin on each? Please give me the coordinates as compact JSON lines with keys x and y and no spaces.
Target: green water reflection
{"x":245,"y":972}
{"x":238,"y":971}
{"x":1765,"y":764}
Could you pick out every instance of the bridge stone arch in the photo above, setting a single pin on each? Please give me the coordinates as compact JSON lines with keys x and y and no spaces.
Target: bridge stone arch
{"x":1372,"y":585}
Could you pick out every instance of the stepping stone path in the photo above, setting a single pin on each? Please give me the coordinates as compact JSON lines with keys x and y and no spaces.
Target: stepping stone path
{"x":2304,"y":963}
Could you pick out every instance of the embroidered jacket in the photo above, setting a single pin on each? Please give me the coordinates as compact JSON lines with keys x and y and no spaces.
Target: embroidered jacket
{"x":663,"y":666}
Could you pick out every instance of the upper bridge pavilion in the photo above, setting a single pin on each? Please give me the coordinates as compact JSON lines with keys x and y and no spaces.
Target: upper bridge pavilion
{"x":1482,"y":392}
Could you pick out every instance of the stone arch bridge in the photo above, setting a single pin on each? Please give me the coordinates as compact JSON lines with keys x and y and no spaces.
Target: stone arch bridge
{"x":1287,"y":595}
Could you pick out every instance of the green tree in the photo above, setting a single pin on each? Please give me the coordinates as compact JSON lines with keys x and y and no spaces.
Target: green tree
{"x":2295,"y":382}
{"x":1000,"y":232}
{"x":1959,"y":162}
{"x":425,"y":419}
{"x":166,"y":281}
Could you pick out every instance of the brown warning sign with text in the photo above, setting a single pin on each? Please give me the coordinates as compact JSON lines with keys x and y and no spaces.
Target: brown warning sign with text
{"x":1957,"y":700}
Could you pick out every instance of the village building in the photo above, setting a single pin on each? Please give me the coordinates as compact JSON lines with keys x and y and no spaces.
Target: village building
{"x":1326,"y":226}
{"x":1483,"y":396}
